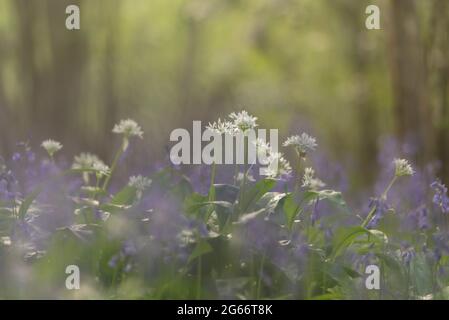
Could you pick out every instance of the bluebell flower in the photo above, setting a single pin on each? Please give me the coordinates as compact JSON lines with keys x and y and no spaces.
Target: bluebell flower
{"x":8,"y":186}
{"x":440,"y":197}
{"x":31,"y":156}
{"x":441,"y":245}
{"x":423,"y":219}
{"x":380,"y":209}
{"x":16,"y":157}
{"x":407,"y":253}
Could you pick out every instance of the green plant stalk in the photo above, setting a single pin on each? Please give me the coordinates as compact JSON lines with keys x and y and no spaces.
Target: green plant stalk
{"x":236,"y":173}
{"x":373,"y":209}
{"x":298,"y":175}
{"x":245,"y":173}
{"x":211,"y":197}
{"x":309,"y":281}
{"x":199,"y":280}
{"x":259,"y":281}
{"x":117,"y":157}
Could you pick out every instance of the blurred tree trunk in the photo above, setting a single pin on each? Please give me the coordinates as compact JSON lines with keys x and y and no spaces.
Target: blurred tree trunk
{"x":5,"y":118}
{"x":187,"y":83}
{"x":409,"y":78}
{"x":438,"y":64}
{"x":110,"y":89}
{"x":51,"y":68}
{"x":366,"y":111}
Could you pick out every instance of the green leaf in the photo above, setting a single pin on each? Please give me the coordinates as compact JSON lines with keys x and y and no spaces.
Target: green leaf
{"x":201,"y":248}
{"x":345,"y":238}
{"x":193,"y":203}
{"x":333,"y":196}
{"x":250,"y":216}
{"x":270,"y":201}
{"x":291,"y":209}
{"x":390,"y":262}
{"x":183,"y":188}
{"x":226,"y":192}
{"x":252,"y":195}
{"x":125,"y":197}
{"x":26,"y":203}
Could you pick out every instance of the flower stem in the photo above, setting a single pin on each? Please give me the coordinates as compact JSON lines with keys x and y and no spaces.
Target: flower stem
{"x":259,"y":281}
{"x":117,"y":157}
{"x":298,"y":175}
{"x":199,"y":280}
{"x":383,"y":197}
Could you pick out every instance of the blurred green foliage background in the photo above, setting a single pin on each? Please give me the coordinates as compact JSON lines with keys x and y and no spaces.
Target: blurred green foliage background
{"x":296,"y":64}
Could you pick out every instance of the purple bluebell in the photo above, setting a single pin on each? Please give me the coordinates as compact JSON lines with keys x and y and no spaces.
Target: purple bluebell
{"x":8,"y":185}
{"x":440,"y":197}
{"x":380,"y":208}
{"x":407,"y":253}
{"x":441,"y":243}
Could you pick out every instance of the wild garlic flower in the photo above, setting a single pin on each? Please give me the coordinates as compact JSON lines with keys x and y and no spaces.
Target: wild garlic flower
{"x":101,"y":168}
{"x":262,"y":147}
{"x":139,"y":182}
{"x":222,"y":127}
{"x":243,"y":121}
{"x":51,"y":146}
{"x":310,"y":181}
{"x":302,"y":144}
{"x":278,"y":166}
{"x":129,"y":128}
{"x":402,"y":168}
{"x":88,"y":161}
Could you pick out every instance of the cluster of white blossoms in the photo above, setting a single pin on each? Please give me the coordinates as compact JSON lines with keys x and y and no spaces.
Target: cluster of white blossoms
{"x":88,"y":161}
{"x":278,"y":166}
{"x":129,"y":128}
{"x":302,"y":144}
{"x":240,"y":122}
{"x":402,"y":168}
{"x":310,"y":181}
{"x":51,"y":146}
{"x":222,"y":127}
{"x":262,"y":147}
{"x":243,"y":121}
{"x":139,"y":182}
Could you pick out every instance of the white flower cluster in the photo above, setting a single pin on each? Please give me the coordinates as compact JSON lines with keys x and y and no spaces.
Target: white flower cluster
{"x":88,"y":161}
{"x":222,"y":127}
{"x":129,"y":128}
{"x":240,"y":122}
{"x":51,"y":146}
{"x":302,"y":144}
{"x":402,"y":168}
{"x":243,"y":121}
{"x":140,"y":183}
{"x":310,"y":181}
{"x":278,"y":166}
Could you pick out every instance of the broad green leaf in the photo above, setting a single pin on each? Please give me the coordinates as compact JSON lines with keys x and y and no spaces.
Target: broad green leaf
{"x":270,"y":201}
{"x":226,"y":192}
{"x":183,"y":188}
{"x":254,"y":193}
{"x":345,"y":237}
{"x":201,"y":248}
{"x":250,"y":216}
{"x":193,"y":203}
{"x":125,"y":197}
{"x":291,"y":209}
{"x":26,"y":203}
